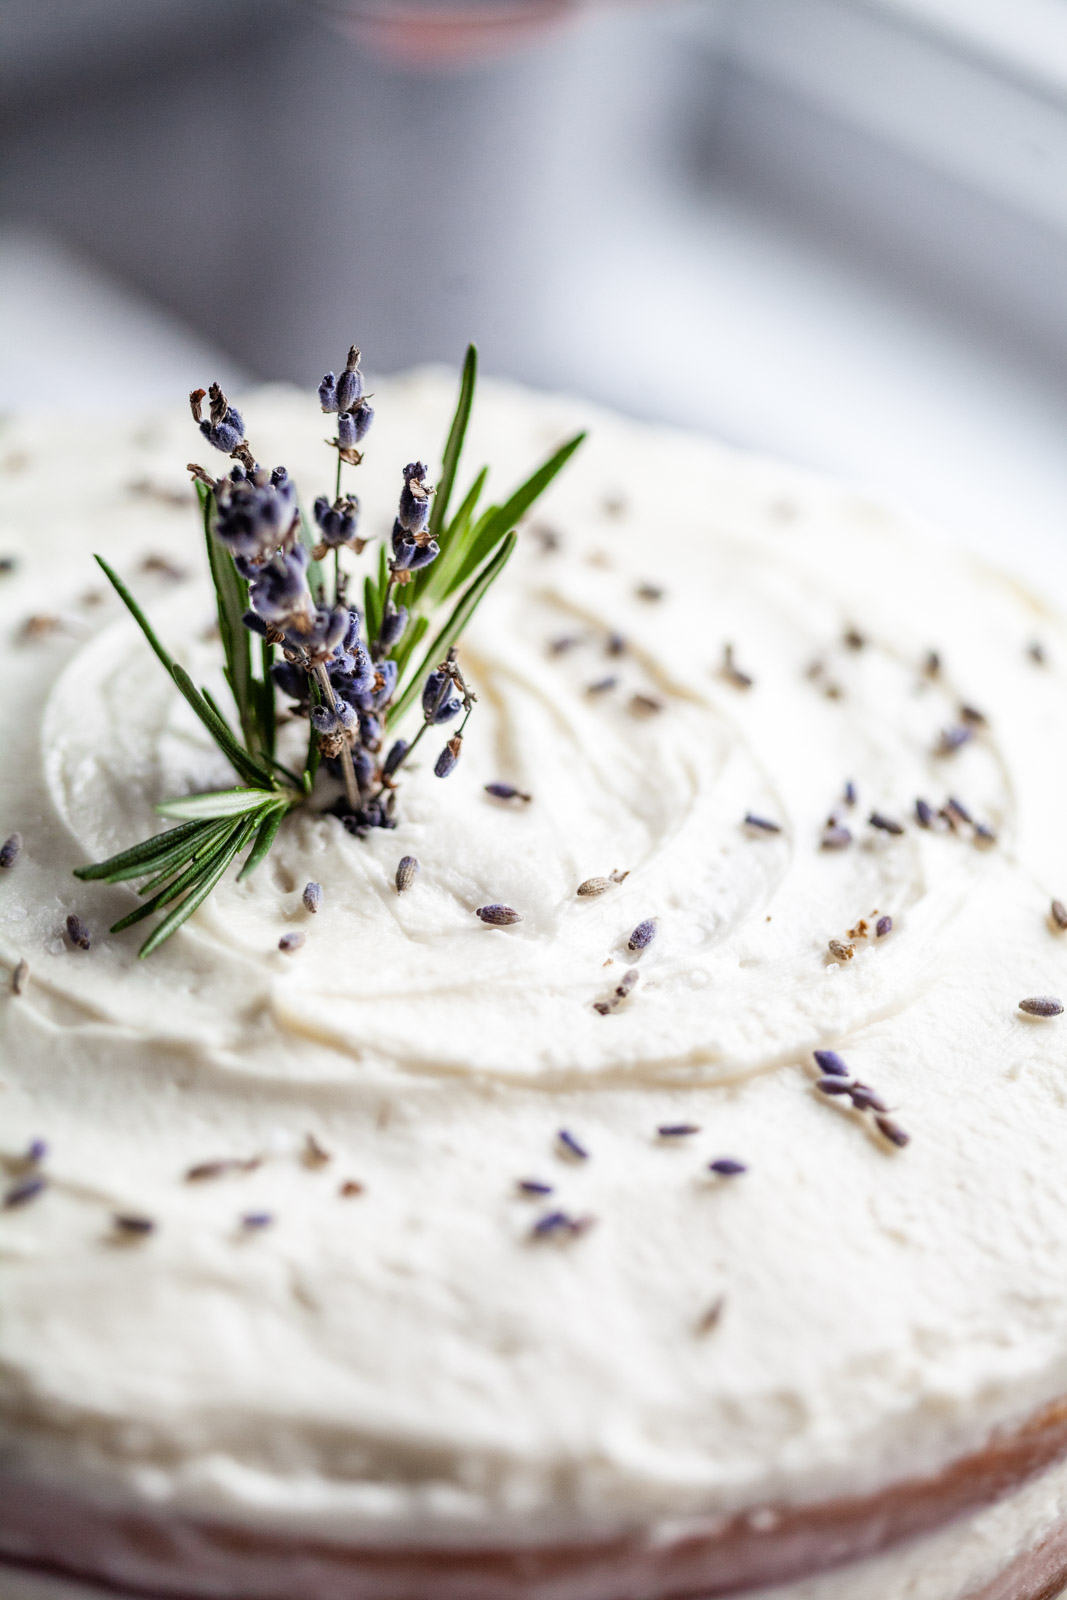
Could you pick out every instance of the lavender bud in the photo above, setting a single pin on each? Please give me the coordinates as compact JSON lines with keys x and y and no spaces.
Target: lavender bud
{"x":643,"y":935}
{"x":328,"y":392}
{"x":353,"y":426}
{"x":414,"y":512}
{"x":836,"y":837}
{"x":23,"y":1191}
{"x":349,"y":387}
{"x":865,"y":1099}
{"x":9,"y":850}
{"x":291,"y":941}
{"x":81,"y":938}
{"x":572,"y":1146}
{"x":397,"y":752}
{"x":831,"y":1064}
{"x":727,"y":1167}
{"x":506,"y":791}
{"x":256,"y":1219}
{"x":498,"y":916}
{"x":226,"y":429}
{"x":133,"y":1226}
{"x":883,"y":926}
{"x":892,"y":1131}
{"x":312,"y":897}
{"x":406,"y":873}
{"x":885,"y":824}
{"x":593,"y":886}
{"x":924,"y":814}
{"x":1058,"y":912}
{"x":446,"y":761}
{"x":394,"y":622}
{"x":290,"y":679}
{"x":439,"y":704}
{"x":833,"y":1085}
{"x":1041,"y":1005}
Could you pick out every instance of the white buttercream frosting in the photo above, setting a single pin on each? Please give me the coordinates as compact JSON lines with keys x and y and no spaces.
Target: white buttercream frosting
{"x":406,"y":1363}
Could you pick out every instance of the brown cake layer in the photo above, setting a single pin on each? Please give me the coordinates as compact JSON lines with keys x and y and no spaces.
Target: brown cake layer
{"x":183,"y":1559}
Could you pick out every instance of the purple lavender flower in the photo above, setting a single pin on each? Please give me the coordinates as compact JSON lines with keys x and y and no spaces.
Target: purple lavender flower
{"x":353,"y":426}
{"x":414,"y":511}
{"x":255,"y":514}
{"x":340,"y":394}
{"x":394,"y":622}
{"x":224,"y":427}
{"x":446,"y":761}
{"x":439,"y":703}
{"x":338,"y":523}
{"x":328,"y":719}
{"x":280,"y":592}
{"x":397,"y":752}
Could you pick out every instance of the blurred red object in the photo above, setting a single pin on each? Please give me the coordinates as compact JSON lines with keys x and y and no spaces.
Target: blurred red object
{"x":428,"y":35}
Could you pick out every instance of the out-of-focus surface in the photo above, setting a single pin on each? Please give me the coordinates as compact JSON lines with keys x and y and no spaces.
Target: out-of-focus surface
{"x":834,"y":229}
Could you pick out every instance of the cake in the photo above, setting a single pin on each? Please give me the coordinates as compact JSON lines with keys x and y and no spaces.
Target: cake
{"x":460,"y":1260}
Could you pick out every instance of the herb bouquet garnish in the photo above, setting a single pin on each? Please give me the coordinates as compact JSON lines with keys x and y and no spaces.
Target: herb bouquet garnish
{"x":288,"y":626}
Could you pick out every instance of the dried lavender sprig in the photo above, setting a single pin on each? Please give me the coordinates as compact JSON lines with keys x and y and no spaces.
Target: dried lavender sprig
{"x":1041,"y":1005}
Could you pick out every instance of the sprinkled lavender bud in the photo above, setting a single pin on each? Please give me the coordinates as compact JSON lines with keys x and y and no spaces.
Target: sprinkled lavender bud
{"x":20,"y":977}
{"x":924,"y":814}
{"x":601,"y":686}
{"x":761,"y":824}
{"x":1041,"y":1005}
{"x":593,"y":886}
{"x":840,"y":950}
{"x":984,"y":836}
{"x":572,"y":1146}
{"x":445,"y":764}
{"x":36,"y":1151}
{"x":406,"y":873}
{"x":727,"y":1167}
{"x":397,"y":752}
{"x":976,"y":718}
{"x":883,"y":926}
{"x":1058,"y":913}
{"x":314,"y":1153}
{"x":349,"y":387}
{"x":952,"y":739}
{"x":892,"y":1131}
{"x":864,"y":1098}
{"x":498,"y":916}
{"x":506,"y":791}
{"x":558,"y":1223}
{"x":885,"y":824}
{"x":9,"y":850}
{"x":677,"y":1130}
{"x":256,"y":1219}
{"x":836,"y":837}
{"x":833,"y":1085}
{"x":312,"y":897}
{"x":622,"y":989}
{"x":958,"y":809}
{"x":850,"y":793}
{"x":533,"y":1186}
{"x":644,"y":705}
{"x":353,"y":426}
{"x":291,"y":941}
{"x":78,"y":933}
{"x":133,"y":1226}
{"x":394,"y":622}
{"x":24,"y":1190}
{"x":643,"y":935}
{"x":711,"y":1316}
{"x":830,"y":1064}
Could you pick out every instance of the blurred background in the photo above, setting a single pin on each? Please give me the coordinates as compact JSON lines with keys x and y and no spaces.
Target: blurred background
{"x":831,"y":229}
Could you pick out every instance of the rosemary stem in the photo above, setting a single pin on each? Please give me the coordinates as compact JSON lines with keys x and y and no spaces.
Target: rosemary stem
{"x":348,"y":771}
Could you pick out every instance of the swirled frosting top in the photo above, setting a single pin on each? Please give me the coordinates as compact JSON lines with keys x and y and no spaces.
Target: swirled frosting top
{"x":413,"y":1360}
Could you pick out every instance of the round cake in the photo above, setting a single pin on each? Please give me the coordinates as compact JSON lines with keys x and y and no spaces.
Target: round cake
{"x":699,"y":1230}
